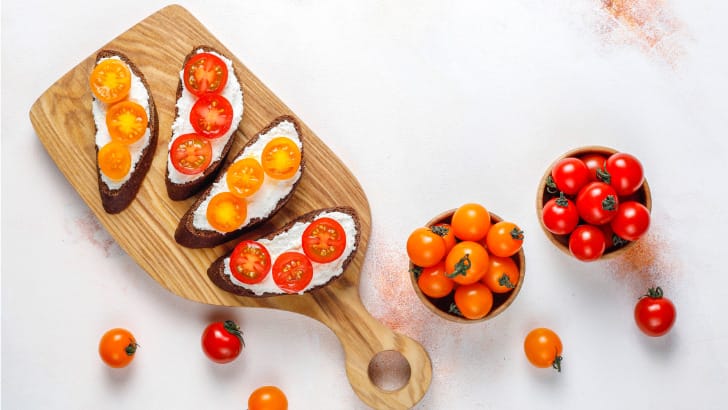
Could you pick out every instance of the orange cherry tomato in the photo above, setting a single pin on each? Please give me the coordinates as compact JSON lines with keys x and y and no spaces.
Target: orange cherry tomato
{"x":448,"y":235}
{"x":117,"y":347}
{"x":292,"y":272}
{"x":502,"y":275}
{"x":114,"y":160}
{"x":190,"y":154}
{"x":226,"y":212}
{"x":205,"y":73}
{"x":127,"y":121}
{"x":543,"y":348}
{"x":471,"y":222}
{"x":467,"y":262}
{"x":245,"y":177}
{"x":110,"y":81}
{"x":433,"y":281}
{"x":281,"y":158}
{"x":324,"y":240}
{"x":504,"y":239}
{"x":268,"y":398}
{"x":425,"y":248}
{"x":473,"y":301}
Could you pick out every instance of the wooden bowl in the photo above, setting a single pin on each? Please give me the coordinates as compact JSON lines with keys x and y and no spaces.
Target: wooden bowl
{"x":501,"y":301}
{"x":561,"y":242}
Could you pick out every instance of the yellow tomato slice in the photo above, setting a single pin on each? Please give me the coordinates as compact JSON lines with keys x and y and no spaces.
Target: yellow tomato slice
{"x":110,"y":81}
{"x":114,"y":160}
{"x":281,"y":158}
{"x":226,"y":212}
{"x":244,"y":177}
{"x":127,"y":121}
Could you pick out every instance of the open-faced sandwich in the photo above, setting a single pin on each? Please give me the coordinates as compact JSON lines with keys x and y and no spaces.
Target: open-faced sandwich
{"x":307,"y":253}
{"x":251,"y":189}
{"x":207,"y":114}
{"x":126,"y":128}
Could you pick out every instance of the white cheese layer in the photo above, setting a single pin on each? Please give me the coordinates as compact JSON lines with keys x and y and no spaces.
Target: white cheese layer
{"x":291,"y":241}
{"x":264,"y":201}
{"x":138,"y":94}
{"x":182,"y":125}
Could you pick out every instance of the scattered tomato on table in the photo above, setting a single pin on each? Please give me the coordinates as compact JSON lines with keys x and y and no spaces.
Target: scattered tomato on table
{"x":117,"y":347}
{"x":654,"y":313}
{"x":543,"y":348}
{"x":267,"y":398}
{"x":222,"y":342}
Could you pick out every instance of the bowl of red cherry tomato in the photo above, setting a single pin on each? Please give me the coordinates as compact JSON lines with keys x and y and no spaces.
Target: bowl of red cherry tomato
{"x":594,"y":202}
{"x":467,"y":264}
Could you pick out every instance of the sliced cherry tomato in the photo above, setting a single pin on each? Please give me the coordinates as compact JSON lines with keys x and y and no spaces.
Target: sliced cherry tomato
{"x":467,"y":262}
{"x":117,"y":347}
{"x":267,"y":398}
{"x":543,"y":348}
{"x":502,"y":275}
{"x":245,"y":177}
{"x":625,"y":173}
{"x":654,"y":313}
{"x":425,"y":248}
{"x":190,"y":154}
{"x":205,"y":73}
{"x":631,"y":221}
{"x":560,"y":215}
{"x":473,"y":301}
{"x":110,"y":81}
{"x":595,"y":163}
{"x":127,"y":122}
{"x":281,"y":158}
{"x":447,"y":234}
{"x":222,"y":342}
{"x":569,"y":175}
{"x":250,"y":262}
{"x":433,"y":281}
{"x":114,"y":160}
{"x":226,"y":212}
{"x":324,"y":240}
{"x":587,"y":243}
{"x":504,"y":239}
{"x":211,"y":115}
{"x":597,"y":203}
{"x":470,"y":222}
{"x":292,"y":272}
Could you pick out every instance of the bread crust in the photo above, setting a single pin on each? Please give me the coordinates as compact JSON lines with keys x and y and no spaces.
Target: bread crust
{"x":178,"y":192}
{"x":116,"y":200}
{"x":187,"y":235}
{"x":216,"y":271}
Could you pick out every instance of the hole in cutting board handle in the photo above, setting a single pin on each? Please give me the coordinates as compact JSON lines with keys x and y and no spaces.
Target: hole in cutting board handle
{"x":389,"y":370}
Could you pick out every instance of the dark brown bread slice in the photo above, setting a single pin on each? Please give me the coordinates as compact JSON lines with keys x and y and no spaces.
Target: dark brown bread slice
{"x":187,"y":235}
{"x":216,"y":271}
{"x":178,"y":192}
{"x":116,"y":200}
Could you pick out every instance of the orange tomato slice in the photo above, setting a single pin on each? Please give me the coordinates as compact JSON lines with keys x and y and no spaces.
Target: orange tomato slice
{"x":110,"y":81}
{"x":281,"y":158}
{"x":226,"y":212}
{"x":244,"y":177}
{"x":127,"y":121}
{"x":114,"y":160}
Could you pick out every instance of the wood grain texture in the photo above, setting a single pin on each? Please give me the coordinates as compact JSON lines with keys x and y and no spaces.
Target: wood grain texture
{"x":63,"y":121}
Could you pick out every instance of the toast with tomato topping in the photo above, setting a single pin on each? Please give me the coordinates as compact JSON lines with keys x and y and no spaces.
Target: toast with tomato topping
{"x":255,"y":185}
{"x":307,"y":253}
{"x":127,"y":127}
{"x":208,"y":111}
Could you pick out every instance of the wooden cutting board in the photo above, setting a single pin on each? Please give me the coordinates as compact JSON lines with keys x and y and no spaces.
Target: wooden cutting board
{"x":157,"y":45}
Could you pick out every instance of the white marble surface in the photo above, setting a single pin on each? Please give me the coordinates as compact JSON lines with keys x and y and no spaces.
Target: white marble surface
{"x":431,"y":104}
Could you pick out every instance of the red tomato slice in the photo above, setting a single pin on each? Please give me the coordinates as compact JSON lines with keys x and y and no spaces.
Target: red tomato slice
{"x":190,"y":154}
{"x":292,"y":272}
{"x":205,"y":73}
{"x":211,"y":116}
{"x":324,"y":240}
{"x":250,"y":262}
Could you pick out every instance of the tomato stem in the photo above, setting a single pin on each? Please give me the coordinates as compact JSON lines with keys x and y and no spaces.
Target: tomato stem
{"x":462,"y":267}
{"x":454,"y":310}
{"x":517,"y":234}
{"x":506,"y":281}
{"x":440,"y":230}
{"x":562,"y":201}
{"x":416,"y":271}
{"x":609,"y":203}
{"x":604,"y":176}
{"x":551,"y":187}
{"x":617,"y":241}
{"x":557,"y":363}
{"x":233,"y":328}
{"x":131,"y":348}
{"x":654,"y":293}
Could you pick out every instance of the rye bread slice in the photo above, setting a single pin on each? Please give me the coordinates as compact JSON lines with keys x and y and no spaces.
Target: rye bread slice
{"x":190,"y":236}
{"x":178,"y":192}
{"x":116,"y":200}
{"x":216,"y":271}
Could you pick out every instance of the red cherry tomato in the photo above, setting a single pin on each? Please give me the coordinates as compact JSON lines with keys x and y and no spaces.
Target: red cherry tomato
{"x":205,"y":73}
{"x":211,"y":115}
{"x":625,"y":173}
{"x":292,"y":272}
{"x":560,"y":215}
{"x":250,"y":262}
{"x":654,"y":313}
{"x":595,"y":163}
{"x":587,"y":243}
{"x":597,"y":203}
{"x":569,"y":175}
{"x":190,"y":154}
{"x":324,"y":240}
{"x":631,"y":221}
{"x":222,"y":342}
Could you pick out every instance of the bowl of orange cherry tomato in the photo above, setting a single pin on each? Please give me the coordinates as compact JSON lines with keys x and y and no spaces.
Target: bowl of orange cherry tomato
{"x":594,"y":202}
{"x":467,"y":264}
